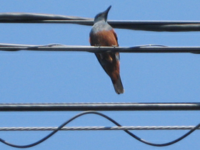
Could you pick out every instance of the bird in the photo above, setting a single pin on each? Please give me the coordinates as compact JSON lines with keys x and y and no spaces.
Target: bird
{"x":102,"y":34}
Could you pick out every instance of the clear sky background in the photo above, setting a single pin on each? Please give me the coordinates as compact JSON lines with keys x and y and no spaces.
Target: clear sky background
{"x":63,"y":77}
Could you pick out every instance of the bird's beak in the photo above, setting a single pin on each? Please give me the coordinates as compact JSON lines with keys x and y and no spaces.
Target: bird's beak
{"x":106,"y":11}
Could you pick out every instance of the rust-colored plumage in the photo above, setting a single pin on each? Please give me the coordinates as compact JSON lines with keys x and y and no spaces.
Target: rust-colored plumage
{"x":102,"y":34}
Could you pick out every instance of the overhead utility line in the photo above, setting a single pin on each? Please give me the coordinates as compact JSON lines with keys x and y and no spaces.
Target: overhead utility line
{"x":99,"y":106}
{"x":168,"y":26}
{"x":98,"y":128}
{"x":135,"y":49}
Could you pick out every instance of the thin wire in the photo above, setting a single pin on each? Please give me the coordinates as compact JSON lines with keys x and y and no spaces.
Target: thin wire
{"x":108,"y":118}
{"x":136,"y":49}
{"x":98,"y":128}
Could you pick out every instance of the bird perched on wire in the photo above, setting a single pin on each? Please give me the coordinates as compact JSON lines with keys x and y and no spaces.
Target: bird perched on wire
{"x":102,"y":34}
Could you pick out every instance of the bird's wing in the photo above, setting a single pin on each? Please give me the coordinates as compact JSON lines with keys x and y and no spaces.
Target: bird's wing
{"x":115,"y":36}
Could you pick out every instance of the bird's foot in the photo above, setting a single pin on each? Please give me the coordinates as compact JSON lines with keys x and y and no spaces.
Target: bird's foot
{"x":98,"y":46}
{"x":114,"y":46}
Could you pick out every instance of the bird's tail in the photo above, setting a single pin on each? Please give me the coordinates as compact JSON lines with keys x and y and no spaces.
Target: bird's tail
{"x":118,"y":86}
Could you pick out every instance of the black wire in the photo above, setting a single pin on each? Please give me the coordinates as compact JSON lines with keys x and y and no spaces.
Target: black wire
{"x":108,"y":118}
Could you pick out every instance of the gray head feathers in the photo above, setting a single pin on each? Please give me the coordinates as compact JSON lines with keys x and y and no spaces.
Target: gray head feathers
{"x":102,"y":16}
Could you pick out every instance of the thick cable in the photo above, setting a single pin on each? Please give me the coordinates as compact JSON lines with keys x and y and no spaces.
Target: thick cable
{"x":193,"y":106}
{"x":94,"y":49}
{"x":159,"y":26}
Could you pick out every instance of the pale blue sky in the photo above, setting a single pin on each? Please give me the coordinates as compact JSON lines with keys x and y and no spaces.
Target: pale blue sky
{"x":51,"y":77}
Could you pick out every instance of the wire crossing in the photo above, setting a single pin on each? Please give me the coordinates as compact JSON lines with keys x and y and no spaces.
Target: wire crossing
{"x":111,"y":120}
{"x":159,"y":26}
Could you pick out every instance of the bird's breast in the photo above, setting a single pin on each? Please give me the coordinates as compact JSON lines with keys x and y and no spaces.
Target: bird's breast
{"x":97,"y":27}
{"x":103,"y":36}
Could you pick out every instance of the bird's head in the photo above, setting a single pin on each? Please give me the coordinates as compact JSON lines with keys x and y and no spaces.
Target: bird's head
{"x":102,"y":16}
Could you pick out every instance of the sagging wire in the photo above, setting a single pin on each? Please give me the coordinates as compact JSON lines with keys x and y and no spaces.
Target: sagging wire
{"x":108,"y":118}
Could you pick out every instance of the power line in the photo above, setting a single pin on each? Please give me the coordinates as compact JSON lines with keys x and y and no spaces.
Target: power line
{"x":15,"y":17}
{"x":135,"y":49}
{"x":98,"y":128}
{"x":169,"y":26}
{"x":99,"y":106}
{"x":108,"y":118}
